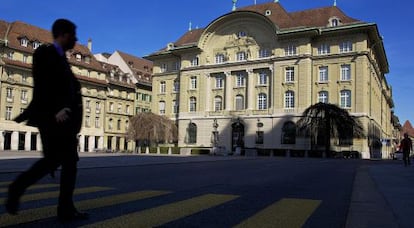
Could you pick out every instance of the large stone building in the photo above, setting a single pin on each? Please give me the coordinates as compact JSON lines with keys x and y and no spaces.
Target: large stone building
{"x":245,"y":79}
{"x":109,"y":94}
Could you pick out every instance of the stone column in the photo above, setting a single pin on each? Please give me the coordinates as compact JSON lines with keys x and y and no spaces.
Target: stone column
{"x":39,"y":146}
{"x":101,"y":142}
{"x":208,"y":93}
{"x":1,"y":140}
{"x":91,"y":143}
{"x":229,"y":89}
{"x":27,"y":141}
{"x":81,"y":143}
{"x":250,"y":90}
{"x":15,"y":140}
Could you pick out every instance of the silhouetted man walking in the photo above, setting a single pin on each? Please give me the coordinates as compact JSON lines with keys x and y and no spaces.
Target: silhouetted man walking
{"x":406,"y":147}
{"x":56,"y":110}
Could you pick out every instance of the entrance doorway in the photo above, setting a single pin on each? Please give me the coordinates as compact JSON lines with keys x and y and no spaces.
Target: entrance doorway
{"x":237,"y":132}
{"x":7,"y":140}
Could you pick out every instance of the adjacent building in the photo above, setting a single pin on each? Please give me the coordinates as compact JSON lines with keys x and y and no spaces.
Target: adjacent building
{"x":109,"y":93}
{"x":245,"y":79}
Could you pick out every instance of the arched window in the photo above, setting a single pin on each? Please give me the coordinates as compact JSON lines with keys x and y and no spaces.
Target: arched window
{"x":110,"y":124}
{"x":218,"y":103}
{"x":239,"y":102}
{"x":289,"y":133}
{"x":262,"y":101}
{"x":118,"y":125}
{"x":192,"y":133}
{"x":193,"y":104}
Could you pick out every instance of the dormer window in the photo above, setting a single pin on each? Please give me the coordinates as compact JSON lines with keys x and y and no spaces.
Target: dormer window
{"x":241,"y":56}
{"x":78,"y":57}
{"x":36,"y":44}
{"x":334,"y":22}
{"x":220,"y":58}
{"x":87,"y":59}
{"x":194,"y":61}
{"x":24,"y":42}
{"x":268,"y":13}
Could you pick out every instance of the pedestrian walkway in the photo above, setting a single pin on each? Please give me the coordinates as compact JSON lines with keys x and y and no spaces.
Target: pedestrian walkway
{"x":382,"y":196}
{"x":285,"y":212}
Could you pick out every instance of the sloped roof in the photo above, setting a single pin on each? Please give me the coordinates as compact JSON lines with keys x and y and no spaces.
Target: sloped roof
{"x":19,"y":30}
{"x":141,"y":68}
{"x":284,"y":20}
{"x":408,"y":128}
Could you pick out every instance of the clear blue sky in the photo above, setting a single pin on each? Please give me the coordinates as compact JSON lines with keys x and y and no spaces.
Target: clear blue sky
{"x":142,"y":27}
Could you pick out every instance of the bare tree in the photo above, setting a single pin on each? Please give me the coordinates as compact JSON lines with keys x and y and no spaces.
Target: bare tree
{"x":150,"y":128}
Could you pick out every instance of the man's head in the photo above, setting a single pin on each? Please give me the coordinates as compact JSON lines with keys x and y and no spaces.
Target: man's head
{"x":405,"y":135}
{"x":64,"y":33}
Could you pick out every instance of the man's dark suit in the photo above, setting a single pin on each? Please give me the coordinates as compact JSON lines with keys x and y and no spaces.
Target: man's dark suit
{"x":55,"y":88}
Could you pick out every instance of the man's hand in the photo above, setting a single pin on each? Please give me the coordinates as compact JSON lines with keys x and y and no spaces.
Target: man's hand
{"x":62,"y":115}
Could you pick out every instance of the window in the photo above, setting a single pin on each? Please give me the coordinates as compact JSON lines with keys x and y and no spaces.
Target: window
{"x":192,"y":133}
{"x":87,"y":59}
{"x":175,"y":106}
{"x":324,"y":49}
{"x":262,"y":78}
{"x":193,"y":82}
{"x":345,"y":99}
{"x":118,"y":125}
{"x":240,"y":80}
{"x":36,"y":44}
{"x":218,"y":104}
{"x":219,"y":82}
{"x":126,"y":125}
{"x":110,"y":124}
{"x":163,"y":87}
{"x":176,"y":66}
{"x":262,"y":101}
{"x":290,"y":74}
{"x":323,"y":74}
{"x":10,"y":55}
{"x":334,"y":22}
{"x":264,"y":53}
{"x":176,"y":86}
{"x":97,"y":122}
{"x":193,"y":104}
{"x":290,"y":50}
{"x":241,"y":56}
{"x":87,"y":121}
{"x":111,"y":107}
{"x":164,"y":67}
{"x":194,"y":61}
{"x":9,"y":94}
{"x":23,"y":96}
{"x":78,"y":57}
{"x":119,"y":108}
{"x":161,"y":106}
{"x":127,"y":109}
{"x":220,"y":58}
{"x":323,"y":97}
{"x":345,"y":47}
{"x":24,"y":77}
{"x":289,"y":133}
{"x":98,"y":107}
{"x":8,"y":113}
{"x":24,"y":42}
{"x":289,"y":99}
{"x":345,"y":72}
{"x":25,"y":58}
{"x":88,"y":105}
{"x":239,"y":102}
{"x":259,"y":137}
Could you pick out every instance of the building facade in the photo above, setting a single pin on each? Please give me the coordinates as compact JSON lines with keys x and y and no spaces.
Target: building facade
{"x":245,"y":79}
{"x":109,"y":94}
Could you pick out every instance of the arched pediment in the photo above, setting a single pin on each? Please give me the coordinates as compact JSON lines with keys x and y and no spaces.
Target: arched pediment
{"x":239,"y":28}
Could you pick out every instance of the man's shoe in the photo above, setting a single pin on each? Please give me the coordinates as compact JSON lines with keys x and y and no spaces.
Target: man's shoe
{"x":12,"y":204}
{"x":74,"y":215}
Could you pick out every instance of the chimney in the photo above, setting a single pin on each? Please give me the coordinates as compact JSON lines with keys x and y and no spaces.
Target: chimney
{"x":90,"y":44}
